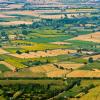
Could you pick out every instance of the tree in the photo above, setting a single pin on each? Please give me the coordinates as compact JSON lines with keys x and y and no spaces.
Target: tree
{"x":18,"y":52}
{"x":90,"y":60}
{"x":27,"y":51}
{"x":24,"y":32}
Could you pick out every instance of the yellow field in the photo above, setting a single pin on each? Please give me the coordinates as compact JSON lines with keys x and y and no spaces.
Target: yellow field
{"x":50,"y":70}
{"x":94,"y":37}
{"x":27,"y":12}
{"x":94,"y":94}
{"x":6,"y":16}
{"x":81,"y":10}
{"x":43,"y":53}
{"x":69,"y":65}
{"x":95,"y":57}
{"x":15,"y":23}
{"x":8,"y":65}
{"x":60,"y":43}
{"x":3,"y":51}
{"x":84,"y":73}
{"x":13,"y":6}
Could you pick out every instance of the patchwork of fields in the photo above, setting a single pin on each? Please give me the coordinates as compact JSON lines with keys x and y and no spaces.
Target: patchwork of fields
{"x":49,"y":50}
{"x":50,"y":42}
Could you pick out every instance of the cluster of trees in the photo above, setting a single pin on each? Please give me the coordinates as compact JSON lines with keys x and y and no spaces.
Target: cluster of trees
{"x":61,"y":22}
{"x":36,"y":91}
{"x":35,"y":63}
{"x":32,"y":91}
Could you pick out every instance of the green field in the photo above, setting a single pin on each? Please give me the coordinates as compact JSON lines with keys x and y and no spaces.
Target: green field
{"x":54,"y":89}
{"x":4,"y":68}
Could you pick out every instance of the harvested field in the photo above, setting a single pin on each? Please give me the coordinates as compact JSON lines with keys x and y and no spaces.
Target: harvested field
{"x":23,"y":74}
{"x":80,"y":10}
{"x":15,"y":23}
{"x":43,"y":68}
{"x":52,"y":16}
{"x":58,"y":16}
{"x":3,"y":51}
{"x":70,"y":65}
{"x":13,"y":6}
{"x":6,"y":16}
{"x":94,"y":37}
{"x":50,"y":70}
{"x":8,"y":65}
{"x":57,"y":73}
{"x":43,"y":53}
{"x":95,"y":57}
{"x":27,"y":12}
{"x":60,"y":43}
{"x":84,"y":73}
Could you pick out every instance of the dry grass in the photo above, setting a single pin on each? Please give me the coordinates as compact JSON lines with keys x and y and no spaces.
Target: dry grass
{"x":3,"y":51}
{"x":43,"y":53}
{"x":60,"y":43}
{"x":13,"y":6}
{"x":84,"y":73}
{"x":8,"y":65}
{"x":94,"y":37}
{"x":27,"y":12}
{"x":50,"y":70}
{"x":69,"y":65}
{"x":15,"y":23}
{"x":95,"y":57}
{"x":6,"y":16}
{"x":94,"y":94}
{"x":57,"y":73}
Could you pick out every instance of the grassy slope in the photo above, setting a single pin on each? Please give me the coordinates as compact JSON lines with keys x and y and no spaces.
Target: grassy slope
{"x":4,"y":68}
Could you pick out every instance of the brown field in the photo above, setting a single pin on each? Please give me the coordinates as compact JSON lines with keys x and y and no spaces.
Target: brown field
{"x":43,"y":53}
{"x":6,"y":16}
{"x":94,"y":37}
{"x":52,"y":16}
{"x":82,"y":10}
{"x":3,"y":51}
{"x":60,"y":43}
{"x":39,"y":14}
{"x":8,"y":65}
{"x":69,"y":65}
{"x":50,"y":70}
{"x":57,"y":73}
{"x":23,"y":74}
{"x":15,"y":23}
{"x":84,"y":73}
{"x":95,"y":57}
{"x":58,"y":16}
{"x":13,"y":6}
{"x":47,"y":11}
{"x":27,"y":12}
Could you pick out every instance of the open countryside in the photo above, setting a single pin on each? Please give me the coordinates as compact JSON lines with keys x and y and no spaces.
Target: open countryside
{"x":49,"y":49}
